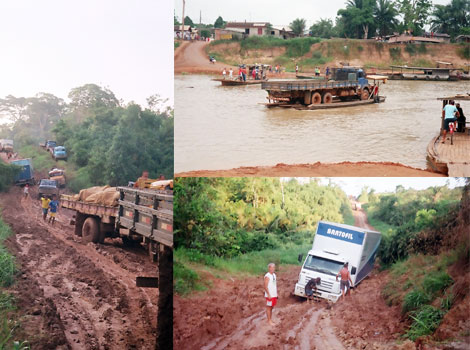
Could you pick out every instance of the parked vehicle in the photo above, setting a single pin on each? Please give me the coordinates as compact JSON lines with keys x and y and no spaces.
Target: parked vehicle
{"x":59,"y":152}
{"x":58,"y":175}
{"x":6,"y":146}
{"x":333,"y":245}
{"x":26,"y":175}
{"x":48,"y":188}
{"x":141,"y":215}
{"x":50,"y":145}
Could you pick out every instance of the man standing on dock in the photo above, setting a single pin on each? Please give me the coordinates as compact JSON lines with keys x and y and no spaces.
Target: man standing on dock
{"x":450,"y":114}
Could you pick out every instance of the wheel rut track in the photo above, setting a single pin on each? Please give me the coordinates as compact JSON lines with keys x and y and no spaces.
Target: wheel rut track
{"x":92,"y":287}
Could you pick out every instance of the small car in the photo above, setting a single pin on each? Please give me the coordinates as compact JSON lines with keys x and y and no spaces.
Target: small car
{"x":48,"y":188}
{"x":59,"y":153}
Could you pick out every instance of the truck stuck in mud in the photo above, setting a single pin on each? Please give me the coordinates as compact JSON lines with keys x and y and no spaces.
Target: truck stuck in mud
{"x":136,"y":215}
{"x":333,"y":246}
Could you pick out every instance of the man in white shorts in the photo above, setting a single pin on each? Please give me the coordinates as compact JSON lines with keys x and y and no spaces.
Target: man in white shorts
{"x":270,"y":292}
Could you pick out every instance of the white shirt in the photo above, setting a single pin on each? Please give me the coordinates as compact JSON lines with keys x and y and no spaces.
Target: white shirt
{"x":272,"y":287}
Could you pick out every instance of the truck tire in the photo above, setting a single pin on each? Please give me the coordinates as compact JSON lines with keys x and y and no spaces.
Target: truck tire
{"x":327,"y":98}
{"x":91,"y":230}
{"x":316,"y":98}
{"x":437,"y":77}
{"x":127,"y":242}
{"x":307,"y":97}
{"x":364,"y":94}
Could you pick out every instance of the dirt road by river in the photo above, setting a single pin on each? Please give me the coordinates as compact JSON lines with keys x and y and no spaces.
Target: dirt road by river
{"x":72,"y":295}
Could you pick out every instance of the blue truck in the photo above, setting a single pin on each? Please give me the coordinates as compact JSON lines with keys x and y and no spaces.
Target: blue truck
{"x":59,"y":152}
{"x":26,"y":175}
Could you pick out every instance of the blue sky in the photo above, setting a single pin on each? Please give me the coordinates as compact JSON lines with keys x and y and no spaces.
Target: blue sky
{"x":55,"y":45}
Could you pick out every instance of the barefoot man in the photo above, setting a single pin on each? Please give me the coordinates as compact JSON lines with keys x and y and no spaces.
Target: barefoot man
{"x":270,"y":292}
{"x":345,"y":279}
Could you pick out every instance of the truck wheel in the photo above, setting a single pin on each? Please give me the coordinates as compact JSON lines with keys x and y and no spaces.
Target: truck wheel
{"x":316,"y":98}
{"x":437,"y":77}
{"x":307,"y":97}
{"x":327,"y":97}
{"x":127,"y":242}
{"x":364,"y":94}
{"x":91,"y":230}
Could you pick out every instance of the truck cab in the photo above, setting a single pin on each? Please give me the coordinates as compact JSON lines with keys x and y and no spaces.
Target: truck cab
{"x":26,"y":175}
{"x":50,"y":145}
{"x":59,"y":152}
{"x":333,"y":245}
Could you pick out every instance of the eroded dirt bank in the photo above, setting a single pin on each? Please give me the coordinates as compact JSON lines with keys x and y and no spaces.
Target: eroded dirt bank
{"x":76,"y":296}
{"x":346,"y":169}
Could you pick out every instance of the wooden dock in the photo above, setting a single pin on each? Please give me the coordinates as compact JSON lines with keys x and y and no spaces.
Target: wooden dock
{"x":452,"y":160}
{"x":335,"y":104}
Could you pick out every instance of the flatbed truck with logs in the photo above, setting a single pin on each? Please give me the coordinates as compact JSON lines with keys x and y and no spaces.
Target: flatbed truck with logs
{"x":141,"y":215}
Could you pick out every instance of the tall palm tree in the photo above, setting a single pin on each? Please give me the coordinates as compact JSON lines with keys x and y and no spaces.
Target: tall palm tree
{"x":385,"y":15}
{"x":298,"y":26}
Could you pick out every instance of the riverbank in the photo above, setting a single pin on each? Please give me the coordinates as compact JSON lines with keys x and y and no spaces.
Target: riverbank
{"x":344,"y":169}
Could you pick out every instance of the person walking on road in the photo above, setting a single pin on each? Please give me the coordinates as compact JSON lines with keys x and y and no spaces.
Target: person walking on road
{"x":345,"y":280}
{"x":270,"y":292}
{"x":45,"y":206}
{"x":230,"y":73}
{"x":53,"y":207}
{"x":26,"y":191}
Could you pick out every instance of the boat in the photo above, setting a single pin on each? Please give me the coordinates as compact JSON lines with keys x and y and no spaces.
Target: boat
{"x":421,"y":73}
{"x":237,"y":82}
{"x":450,"y":159}
{"x":336,"y":103}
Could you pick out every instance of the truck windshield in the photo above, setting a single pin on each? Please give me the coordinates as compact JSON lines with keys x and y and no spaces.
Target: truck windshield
{"x":327,"y":266}
{"x":48,"y":183}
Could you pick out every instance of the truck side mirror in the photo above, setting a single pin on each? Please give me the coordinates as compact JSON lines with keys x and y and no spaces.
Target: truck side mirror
{"x":353,"y":270}
{"x":300,"y":257}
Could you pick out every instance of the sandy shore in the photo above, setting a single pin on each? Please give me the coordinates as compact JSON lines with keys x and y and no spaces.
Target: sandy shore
{"x":344,"y":169}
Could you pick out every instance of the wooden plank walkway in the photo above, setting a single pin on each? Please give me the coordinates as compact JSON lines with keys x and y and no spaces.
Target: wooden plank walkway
{"x":453,"y":160}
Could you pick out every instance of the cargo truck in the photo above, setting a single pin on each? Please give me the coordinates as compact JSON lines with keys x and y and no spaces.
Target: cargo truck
{"x":26,"y":175}
{"x":141,"y":215}
{"x":6,"y":146}
{"x":335,"y":244}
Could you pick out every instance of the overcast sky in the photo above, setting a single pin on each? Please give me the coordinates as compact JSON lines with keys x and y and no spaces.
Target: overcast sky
{"x":354,"y":185}
{"x":56,"y":45}
{"x":277,"y":12}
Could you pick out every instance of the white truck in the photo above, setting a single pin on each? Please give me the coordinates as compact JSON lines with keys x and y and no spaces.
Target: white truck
{"x":333,"y":245}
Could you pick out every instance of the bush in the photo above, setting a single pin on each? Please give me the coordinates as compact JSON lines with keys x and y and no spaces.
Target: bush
{"x":425,"y":321}
{"x":411,"y":49}
{"x":7,"y":175}
{"x":395,"y":53}
{"x":415,"y":299}
{"x":464,"y":51}
{"x":436,"y":282}
{"x":422,"y":48}
{"x":185,"y":279}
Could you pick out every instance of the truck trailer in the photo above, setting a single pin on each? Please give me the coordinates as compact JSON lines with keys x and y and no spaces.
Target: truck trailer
{"x":334,"y":245}
{"x":141,"y":215}
{"x":26,"y":175}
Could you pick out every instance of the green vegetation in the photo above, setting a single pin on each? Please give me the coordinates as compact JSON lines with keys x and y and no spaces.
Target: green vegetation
{"x":402,"y":215}
{"x":395,"y":53}
{"x":240,"y":224}
{"x":107,"y":142}
{"x":8,"y":324}
{"x":425,"y":321}
{"x":177,"y":44}
{"x":464,"y":51}
{"x":7,"y":175}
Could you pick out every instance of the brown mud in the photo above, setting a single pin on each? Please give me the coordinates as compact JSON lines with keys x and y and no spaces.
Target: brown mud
{"x":348,"y":169}
{"x":72,"y":295}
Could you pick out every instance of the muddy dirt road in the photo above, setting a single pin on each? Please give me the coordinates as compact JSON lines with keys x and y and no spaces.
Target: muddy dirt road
{"x":191,"y":57}
{"x":77,"y":296}
{"x":231,"y":316}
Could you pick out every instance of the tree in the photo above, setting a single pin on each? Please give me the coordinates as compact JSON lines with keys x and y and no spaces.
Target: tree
{"x":219,"y":22}
{"x":175,"y":21}
{"x":298,"y":26}
{"x":358,"y":17}
{"x":90,"y":98}
{"x":205,"y":33}
{"x":415,"y":14}
{"x":188,"y":21}
{"x":323,"y":28}
{"x":385,"y":16}
{"x":451,"y":18}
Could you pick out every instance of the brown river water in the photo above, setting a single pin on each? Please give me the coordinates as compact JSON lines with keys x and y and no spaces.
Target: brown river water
{"x":227,"y":127}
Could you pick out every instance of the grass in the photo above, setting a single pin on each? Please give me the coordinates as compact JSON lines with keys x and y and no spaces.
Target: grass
{"x":395,"y":53}
{"x":464,"y":51}
{"x":425,"y":321}
{"x":177,"y":44}
{"x":193,"y":270}
{"x":8,"y":325}
{"x":414,"y":300}
{"x":436,"y":283}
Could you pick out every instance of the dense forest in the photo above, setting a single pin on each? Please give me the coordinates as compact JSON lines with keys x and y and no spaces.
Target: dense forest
{"x":362,"y":19}
{"x":230,"y":216}
{"x":405,"y":216}
{"x":108,"y":141}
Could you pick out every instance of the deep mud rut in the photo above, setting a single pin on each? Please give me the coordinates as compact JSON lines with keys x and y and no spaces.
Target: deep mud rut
{"x":77,"y":296}
{"x":231,"y":316}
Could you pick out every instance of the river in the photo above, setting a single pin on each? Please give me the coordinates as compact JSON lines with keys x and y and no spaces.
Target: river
{"x":227,"y":127}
